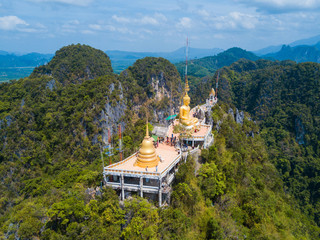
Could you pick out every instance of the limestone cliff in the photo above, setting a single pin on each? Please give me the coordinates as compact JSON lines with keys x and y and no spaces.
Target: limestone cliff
{"x":155,"y":87}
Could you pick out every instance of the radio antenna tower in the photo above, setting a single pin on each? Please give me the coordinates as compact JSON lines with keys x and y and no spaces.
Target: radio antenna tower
{"x":120,"y":142}
{"x":217,"y":82}
{"x":110,"y":148}
{"x":186,"y":72}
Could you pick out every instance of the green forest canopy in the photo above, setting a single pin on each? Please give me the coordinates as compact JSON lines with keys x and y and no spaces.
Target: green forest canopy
{"x":261,"y":187}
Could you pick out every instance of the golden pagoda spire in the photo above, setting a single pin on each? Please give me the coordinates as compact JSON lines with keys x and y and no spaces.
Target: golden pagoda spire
{"x":187,"y":89}
{"x":147,"y":156}
{"x":147,"y":130}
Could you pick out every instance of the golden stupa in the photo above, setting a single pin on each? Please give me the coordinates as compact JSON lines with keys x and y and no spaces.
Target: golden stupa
{"x":147,"y":156}
{"x":184,"y":115}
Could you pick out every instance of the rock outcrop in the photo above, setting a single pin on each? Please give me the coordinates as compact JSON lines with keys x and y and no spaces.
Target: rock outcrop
{"x":160,"y":85}
{"x":239,"y":116}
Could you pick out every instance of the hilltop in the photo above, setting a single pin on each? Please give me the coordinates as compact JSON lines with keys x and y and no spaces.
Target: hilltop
{"x":75,"y":64}
{"x":207,"y":66}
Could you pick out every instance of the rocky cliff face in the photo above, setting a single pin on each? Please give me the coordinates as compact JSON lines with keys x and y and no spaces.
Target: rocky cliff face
{"x":156,"y":88}
{"x":165,"y":103}
{"x":110,"y":118}
{"x":159,"y":86}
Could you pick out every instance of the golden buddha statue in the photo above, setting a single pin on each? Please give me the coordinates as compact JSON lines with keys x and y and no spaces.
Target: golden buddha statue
{"x":147,"y":156}
{"x":185,"y":119}
{"x":212,"y":93}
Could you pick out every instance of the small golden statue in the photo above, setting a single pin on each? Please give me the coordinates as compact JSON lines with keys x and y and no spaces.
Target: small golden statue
{"x":184,"y":116}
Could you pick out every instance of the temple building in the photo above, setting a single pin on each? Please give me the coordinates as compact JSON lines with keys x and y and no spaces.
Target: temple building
{"x":192,"y":128}
{"x":187,"y":121}
{"x":212,"y":100}
{"x":148,"y":172}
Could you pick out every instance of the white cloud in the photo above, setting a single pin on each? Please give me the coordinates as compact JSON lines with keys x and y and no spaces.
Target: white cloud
{"x":28,"y":30}
{"x":147,"y":31}
{"x":277,"y":6}
{"x":148,"y":20}
{"x":74,"y":22}
{"x":184,"y":22}
{"x":110,"y":28}
{"x":102,"y":27}
{"x":235,"y":20}
{"x":218,"y":36}
{"x":95,"y":26}
{"x":124,"y":30}
{"x":40,"y":26}
{"x":107,"y":27}
{"x":203,"y":13}
{"x":87,"y":32}
{"x":154,"y":20}
{"x":71,"y":2}
{"x":11,"y":22}
{"x":120,"y":19}
{"x":160,"y":17}
{"x":70,"y":26}
{"x":289,"y":3}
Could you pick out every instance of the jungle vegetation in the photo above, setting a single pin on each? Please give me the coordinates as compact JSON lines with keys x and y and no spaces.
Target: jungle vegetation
{"x":260,"y":179}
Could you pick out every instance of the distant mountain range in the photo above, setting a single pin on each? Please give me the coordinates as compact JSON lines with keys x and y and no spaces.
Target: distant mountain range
{"x":203,"y":61}
{"x":122,"y":59}
{"x":272,"y":49}
{"x":27,"y":60}
{"x":300,"y":53}
{"x":13,"y":66}
{"x":208,"y":65}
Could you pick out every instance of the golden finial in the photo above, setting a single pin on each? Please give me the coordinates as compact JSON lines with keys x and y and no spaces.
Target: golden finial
{"x":187,"y":86}
{"x":147,"y":130}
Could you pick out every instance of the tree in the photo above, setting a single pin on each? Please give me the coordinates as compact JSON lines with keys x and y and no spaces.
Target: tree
{"x":211,"y":180}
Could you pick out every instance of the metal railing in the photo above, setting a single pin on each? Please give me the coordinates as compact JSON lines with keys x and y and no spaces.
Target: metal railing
{"x":194,"y":150}
{"x":129,"y":173}
{"x":134,"y":187}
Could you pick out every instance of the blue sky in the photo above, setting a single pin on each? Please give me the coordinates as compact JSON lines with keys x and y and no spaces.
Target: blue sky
{"x":140,"y":25}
